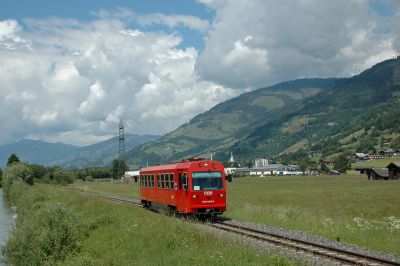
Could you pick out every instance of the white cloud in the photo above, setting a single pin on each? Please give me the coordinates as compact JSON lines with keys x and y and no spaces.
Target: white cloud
{"x":79,"y":78}
{"x":268,"y":41}
{"x":172,"y":21}
{"x":9,"y":38}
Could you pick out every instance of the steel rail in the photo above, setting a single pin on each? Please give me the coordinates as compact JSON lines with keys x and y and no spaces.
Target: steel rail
{"x":336,"y":254}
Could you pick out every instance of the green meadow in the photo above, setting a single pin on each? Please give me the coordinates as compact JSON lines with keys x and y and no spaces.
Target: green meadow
{"x":347,"y":208}
{"x":381,"y":163}
{"x":56,"y":226}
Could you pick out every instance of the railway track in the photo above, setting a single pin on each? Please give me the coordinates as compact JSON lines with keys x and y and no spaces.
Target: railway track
{"x":336,"y":255}
{"x":120,"y":200}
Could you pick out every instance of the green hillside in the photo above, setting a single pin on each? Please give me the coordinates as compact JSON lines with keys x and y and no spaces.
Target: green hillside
{"x":357,"y":114}
{"x":220,"y":128}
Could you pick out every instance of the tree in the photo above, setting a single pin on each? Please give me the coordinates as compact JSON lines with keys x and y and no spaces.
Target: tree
{"x":118,"y":168}
{"x":303,"y":166}
{"x":16,"y":172}
{"x":324,"y":168}
{"x":341,"y":164}
{"x":62,"y":177}
{"x":1,"y":175}
{"x":248,"y":164}
{"x":395,"y":143}
{"x":13,"y":159}
{"x":38,"y":171}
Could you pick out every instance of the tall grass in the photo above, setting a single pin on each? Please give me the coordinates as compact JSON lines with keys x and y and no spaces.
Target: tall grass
{"x":60,"y":227}
{"x":346,"y":208}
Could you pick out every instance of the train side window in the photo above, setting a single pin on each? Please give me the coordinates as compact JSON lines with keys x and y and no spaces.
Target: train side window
{"x":162,"y":181}
{"x":171,"y":181}
{"x":146,"y":182}
{"x":185,"y":183}
{"x":167,"y":181}
{"x":158,"y":180}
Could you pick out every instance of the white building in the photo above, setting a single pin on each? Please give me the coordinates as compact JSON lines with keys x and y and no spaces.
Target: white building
{"x":260,"y":162}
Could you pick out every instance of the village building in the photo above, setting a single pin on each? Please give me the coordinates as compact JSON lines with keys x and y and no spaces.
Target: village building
{"x":378,"y":173}
{"x":361,"y":156}
{"x":260,"y":162}
{"x":374,"y":173}
{"x":327,"y":161}
{"x":394,"y":170}
{"x":268,"y":170}
{"x":389,"y":153}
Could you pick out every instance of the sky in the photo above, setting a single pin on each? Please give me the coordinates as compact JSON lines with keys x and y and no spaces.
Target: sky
{"x":70,"y":70}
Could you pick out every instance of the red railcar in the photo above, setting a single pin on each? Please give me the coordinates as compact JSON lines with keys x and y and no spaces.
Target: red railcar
{"x":192,"y":187}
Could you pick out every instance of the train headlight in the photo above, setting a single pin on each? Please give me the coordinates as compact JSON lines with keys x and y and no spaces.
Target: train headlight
{"x":221,"y":195}
{"x":195,"y":196}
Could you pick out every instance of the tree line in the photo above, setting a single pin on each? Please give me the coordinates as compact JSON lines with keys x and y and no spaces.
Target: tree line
{"x":30,"y":173}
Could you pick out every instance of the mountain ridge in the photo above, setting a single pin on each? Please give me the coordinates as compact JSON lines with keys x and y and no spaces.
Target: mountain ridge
{"x":68,"y":155}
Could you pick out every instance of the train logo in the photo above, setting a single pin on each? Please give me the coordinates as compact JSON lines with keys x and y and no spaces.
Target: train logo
{"x":208,"y":193}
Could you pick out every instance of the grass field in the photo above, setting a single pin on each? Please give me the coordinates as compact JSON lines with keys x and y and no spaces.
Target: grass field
{"x":349,"y":208}
{"x":376,"y":163}
{"x":114,"y":234}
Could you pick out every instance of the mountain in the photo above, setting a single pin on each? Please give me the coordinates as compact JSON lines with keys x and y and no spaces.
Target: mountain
{"x":219,"y":129}
{"x":356,"y":114}
{"x":35,"y":151}
{"x":297,"y":119}
{"x":48,"y":154}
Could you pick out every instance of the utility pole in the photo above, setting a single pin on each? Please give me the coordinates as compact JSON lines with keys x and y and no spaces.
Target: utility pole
{"x":121,"y":153}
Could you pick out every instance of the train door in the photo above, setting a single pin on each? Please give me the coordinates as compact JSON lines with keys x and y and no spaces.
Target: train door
{"x":182,"y":194}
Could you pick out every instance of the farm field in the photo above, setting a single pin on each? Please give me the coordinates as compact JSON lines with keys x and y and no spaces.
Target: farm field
{"x":90,"y":231}
{"x":347,"y":207}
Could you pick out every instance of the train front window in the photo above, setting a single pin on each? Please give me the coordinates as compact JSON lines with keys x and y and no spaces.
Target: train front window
{"x":207,"y":181}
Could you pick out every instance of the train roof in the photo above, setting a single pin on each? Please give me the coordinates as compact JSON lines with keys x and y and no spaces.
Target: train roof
{"x":180,"y":165}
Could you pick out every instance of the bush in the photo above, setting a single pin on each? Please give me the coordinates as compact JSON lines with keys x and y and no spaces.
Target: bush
{"x":89,"y":178}
{"x":45,"y":233}
{"x":58,"y":176}
{"x":16,"y":172}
